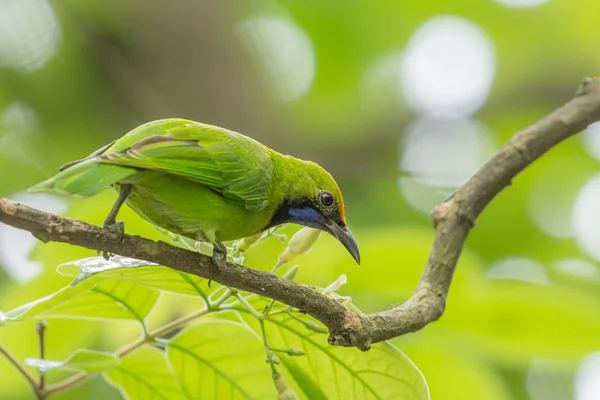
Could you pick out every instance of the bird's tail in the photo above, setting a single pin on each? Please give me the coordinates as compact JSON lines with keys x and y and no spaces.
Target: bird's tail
{"x":84,"y":179}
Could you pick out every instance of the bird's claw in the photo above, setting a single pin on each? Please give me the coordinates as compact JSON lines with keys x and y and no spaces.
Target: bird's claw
{"x":118,"y":227}
{"x":105,"y":254}
{"x":219,"y":258}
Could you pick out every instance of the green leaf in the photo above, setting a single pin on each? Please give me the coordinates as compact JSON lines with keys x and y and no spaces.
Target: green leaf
{"x":455,"y":373}
{"x":221,"y":359}
{"x":139,"y":272}
{"x":90,"y":299}
{"x":510,"y":321}
{"x":85,"y":268}
{"x":145,"y":375}
{"x":82,"y":360}
{"x":332,"y":372}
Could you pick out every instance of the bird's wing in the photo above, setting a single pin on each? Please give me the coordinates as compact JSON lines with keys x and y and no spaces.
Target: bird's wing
{"x":231,"y":164}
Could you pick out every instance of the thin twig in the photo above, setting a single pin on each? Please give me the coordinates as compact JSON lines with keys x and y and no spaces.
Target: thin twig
{"x":40,"y":328}
{"x":453,"y":221}
{"x":21,"y":368}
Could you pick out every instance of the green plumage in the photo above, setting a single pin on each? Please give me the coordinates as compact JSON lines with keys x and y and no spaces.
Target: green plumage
{"x":201,"y":181}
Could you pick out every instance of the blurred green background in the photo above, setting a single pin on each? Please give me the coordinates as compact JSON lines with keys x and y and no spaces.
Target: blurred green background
{"x":400,"y":100}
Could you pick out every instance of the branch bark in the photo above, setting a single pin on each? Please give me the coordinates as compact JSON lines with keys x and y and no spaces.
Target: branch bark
{"x":453,"y":220}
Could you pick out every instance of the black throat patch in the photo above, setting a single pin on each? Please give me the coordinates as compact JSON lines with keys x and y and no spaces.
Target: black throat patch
{"x":284,"y":215}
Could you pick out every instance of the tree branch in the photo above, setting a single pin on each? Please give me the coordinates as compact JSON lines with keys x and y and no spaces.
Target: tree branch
{"x":452,"y":219}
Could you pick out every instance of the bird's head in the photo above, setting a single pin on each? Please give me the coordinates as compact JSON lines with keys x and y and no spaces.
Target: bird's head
{"x":314,"y":200}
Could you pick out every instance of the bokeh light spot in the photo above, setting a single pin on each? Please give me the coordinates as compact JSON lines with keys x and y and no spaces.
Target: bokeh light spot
{"x":586,"y":218}
{"x":18,"y":117}
{"x":16,"y":245}
{"x":378,"y":91}
{"x":591,"y":140}
{"x":551,"y":209}
{"x":438,"y":155}
{"x":18,"y":125}
{"x":448,"y":67}
{"x":29,"y":34}
{"x":518,"y":268}
{"x":578,"y":268}
{"x":547,"y":380}
{"x":285,"y":53}
{"x":521,"y":3}
{"x":587,"y":378}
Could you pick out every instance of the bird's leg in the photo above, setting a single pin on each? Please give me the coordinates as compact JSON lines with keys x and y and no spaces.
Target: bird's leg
{"x":111,"y":219}
{"x":219,"y":254}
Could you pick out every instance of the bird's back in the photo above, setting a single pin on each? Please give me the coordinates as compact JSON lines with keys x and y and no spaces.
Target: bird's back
{"x":236,"y":166}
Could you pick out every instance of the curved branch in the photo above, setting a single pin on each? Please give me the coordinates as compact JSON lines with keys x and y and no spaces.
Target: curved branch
{"x":452,"y":219}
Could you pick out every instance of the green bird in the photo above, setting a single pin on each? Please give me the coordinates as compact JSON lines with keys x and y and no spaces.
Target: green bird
{"x":206,"y":183}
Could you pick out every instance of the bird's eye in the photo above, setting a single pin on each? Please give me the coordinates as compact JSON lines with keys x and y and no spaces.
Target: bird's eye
{"x":326,"y":199}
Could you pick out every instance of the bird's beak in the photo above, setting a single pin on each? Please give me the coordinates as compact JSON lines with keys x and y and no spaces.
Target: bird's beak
{"x":345,"y":237}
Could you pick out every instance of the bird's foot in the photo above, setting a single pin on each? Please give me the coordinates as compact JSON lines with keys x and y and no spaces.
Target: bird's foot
{"x":219,"y":255}
{"x":114,"y":226}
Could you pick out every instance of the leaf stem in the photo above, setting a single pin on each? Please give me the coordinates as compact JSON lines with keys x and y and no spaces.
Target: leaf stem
{"x":248,"y":306}
{"x":215,"y":305}
{"x":167,"y":328}
{"x":268,"y":309}
{"x":151,"y":336}
{"x":281,"y":311}
{"x":278,"y":265}
{"x":28,"y":377}
{"x":268,"y":351}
